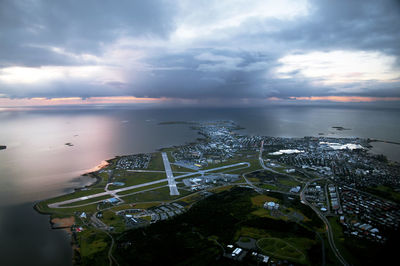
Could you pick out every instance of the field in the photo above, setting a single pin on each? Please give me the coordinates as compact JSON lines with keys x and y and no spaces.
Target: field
{"x":282,"y":249}
{"x":259,"y":200}
{"x":135,"y":178}
{"x":160,"y":194}
{"x":385,"y":192}
{"x":221,"y":218}
{"x":162,"y":184}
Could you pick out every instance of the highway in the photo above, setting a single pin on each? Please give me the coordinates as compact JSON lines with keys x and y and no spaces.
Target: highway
{"x":325,"y":220}
{"x":267,"y":168}
{"x":304,"y":201}
{"x":173,"y":190}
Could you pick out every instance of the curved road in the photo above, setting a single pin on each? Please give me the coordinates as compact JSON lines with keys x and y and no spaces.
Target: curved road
{"x":321,"y":216}
{"x":327,"y":224}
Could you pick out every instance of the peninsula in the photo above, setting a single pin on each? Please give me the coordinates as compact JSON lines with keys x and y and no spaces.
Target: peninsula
{"x":233,"y":198}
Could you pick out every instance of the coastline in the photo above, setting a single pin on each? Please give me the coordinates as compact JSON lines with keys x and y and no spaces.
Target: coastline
{"x":391,"y":150}
{"x":66,"y":222}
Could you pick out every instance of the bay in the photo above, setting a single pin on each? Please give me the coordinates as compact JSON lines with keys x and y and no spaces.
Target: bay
{"x":38,"y":164}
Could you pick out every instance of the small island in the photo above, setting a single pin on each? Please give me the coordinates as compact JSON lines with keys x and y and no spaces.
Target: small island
{"x":341,"y":128}
{"x":233,"y":198}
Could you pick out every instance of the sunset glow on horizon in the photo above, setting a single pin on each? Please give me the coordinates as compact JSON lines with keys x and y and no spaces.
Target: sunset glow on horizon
{"x":346,"y":99}
{"x":7,"y":102}
{"x":40,"y":101}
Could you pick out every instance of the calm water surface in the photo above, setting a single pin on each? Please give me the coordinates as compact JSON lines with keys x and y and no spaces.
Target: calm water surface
{"x":37,"y":164}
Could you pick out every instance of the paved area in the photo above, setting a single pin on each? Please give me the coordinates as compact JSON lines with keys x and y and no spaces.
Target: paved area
{"x":110,"y":192}
{"x":170,"y":178}
{"x":173,"y":190}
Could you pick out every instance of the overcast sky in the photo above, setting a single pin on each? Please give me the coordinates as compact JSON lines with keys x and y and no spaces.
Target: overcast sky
{"x":200,"y":50}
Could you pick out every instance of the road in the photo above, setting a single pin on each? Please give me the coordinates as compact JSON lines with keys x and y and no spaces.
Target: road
{"x":173,"y":190}
{"x":270,"y":169}
{"x":304,"y":201}
{"x":325,"y":220}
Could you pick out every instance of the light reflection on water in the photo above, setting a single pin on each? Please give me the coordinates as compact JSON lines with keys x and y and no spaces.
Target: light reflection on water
{"x":37,"y":164}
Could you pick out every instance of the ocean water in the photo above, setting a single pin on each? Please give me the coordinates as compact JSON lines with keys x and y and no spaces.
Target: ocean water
{"x":37,"y":164}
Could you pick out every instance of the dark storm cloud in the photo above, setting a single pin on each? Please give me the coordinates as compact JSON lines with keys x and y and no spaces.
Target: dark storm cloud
{"x":160,"y":49}
{"x":30,"y":28}
{"x":359,"y":24}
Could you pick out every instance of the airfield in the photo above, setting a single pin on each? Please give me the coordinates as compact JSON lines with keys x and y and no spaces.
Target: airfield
{"x":170,"y":178}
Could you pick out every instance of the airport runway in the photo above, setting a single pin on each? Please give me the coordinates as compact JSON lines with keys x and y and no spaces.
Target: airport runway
{"x":173,"y":190}
{"x":170,"y":178}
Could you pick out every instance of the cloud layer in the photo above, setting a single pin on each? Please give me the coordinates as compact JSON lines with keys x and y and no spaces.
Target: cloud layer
{"x":199,"y":50}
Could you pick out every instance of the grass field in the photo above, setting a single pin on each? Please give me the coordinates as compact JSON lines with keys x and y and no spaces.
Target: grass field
{"x":156,"y":162}
{"x":267,"y":214}
{"x":93,"y":247}
{"x":288,"y":182}
{"x":142,"y":188}
{"x":385,"y":192}
{"x":268,"y":186}
{"x":136,"y":178}
{"x":111,"y":219}
{"x":281,"y":249}
{"x":259,"y":200}
{"x":338,"y":237}
{"x":251,"y":232}
{"x":136,"y":206}
{"x":160,"y":194}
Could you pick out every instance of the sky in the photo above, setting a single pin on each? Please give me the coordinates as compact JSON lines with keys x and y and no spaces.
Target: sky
{"x":194,"y":52}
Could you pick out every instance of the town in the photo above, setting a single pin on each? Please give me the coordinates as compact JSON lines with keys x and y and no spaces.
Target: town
{"x":338,"y":178}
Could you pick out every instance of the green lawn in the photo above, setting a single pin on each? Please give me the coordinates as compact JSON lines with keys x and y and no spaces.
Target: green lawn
{"x":268,"y":186}
{"x":281,"y":249}
{"x":289,"y":182}
{"x":338,"y":237}
{"x":142,"y":188}
{"x":385,"y":192}
{"x":94,"y":246}
{"x":160,"y":194}
{"x":156,"y":162}
{"x":136,"y":178}
{"x":111,"y":219}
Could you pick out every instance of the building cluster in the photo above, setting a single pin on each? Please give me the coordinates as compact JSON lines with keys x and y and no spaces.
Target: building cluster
{"x":270,"y":205}
{"x":344,"y":160}
{"x":366,"y":216}
{"x":220,"y":143}
{"x":134,"y":217}
{"x":316,"y":195}
{"x":238,"y":254}
{"x":235,"y":253}
{"x":166,"y":211}
{"x":334,"y":199}
{"x":137,"y":161}
{"x":205,"y":181}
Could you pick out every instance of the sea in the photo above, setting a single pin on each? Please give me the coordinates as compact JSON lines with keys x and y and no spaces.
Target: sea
{"x":38,"y":164}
